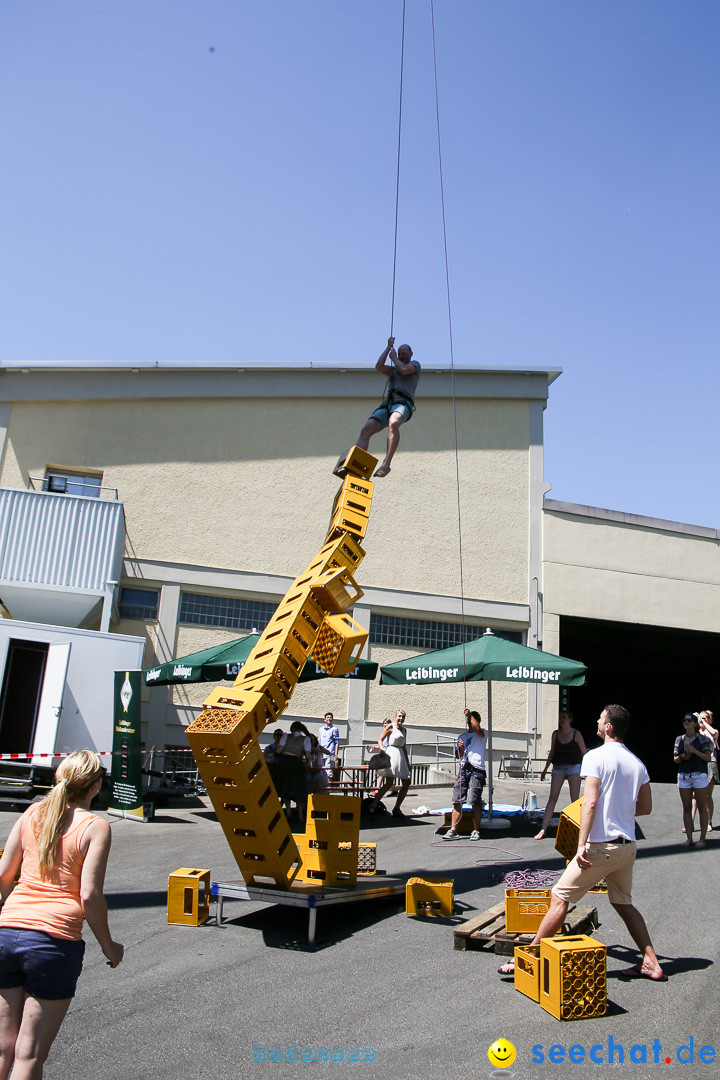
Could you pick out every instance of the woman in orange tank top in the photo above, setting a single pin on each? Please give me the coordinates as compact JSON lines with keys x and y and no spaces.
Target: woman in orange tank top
{"x":60,"y":850}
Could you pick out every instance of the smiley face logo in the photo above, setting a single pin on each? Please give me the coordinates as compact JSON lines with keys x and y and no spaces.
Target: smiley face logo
{"x":501,"y":1054}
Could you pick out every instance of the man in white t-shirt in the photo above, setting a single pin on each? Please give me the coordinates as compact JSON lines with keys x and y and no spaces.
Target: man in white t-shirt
{"x":617,"y":790}
{"x":471,"y":777}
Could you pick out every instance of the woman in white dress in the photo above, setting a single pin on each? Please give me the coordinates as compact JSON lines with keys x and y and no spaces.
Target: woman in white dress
{"x":399,"y":768}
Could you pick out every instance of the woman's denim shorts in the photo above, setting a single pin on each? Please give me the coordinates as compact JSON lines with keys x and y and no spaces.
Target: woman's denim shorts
{"x":44,"y":966}
{"x":566,"y":770}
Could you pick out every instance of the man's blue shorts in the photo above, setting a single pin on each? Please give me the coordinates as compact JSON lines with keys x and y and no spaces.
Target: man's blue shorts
{"x":382,"y":413}
{"x":44,"y":966}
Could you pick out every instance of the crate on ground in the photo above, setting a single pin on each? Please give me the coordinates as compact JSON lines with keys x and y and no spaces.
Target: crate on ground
{"x":464,"y":826}
{"x":188,"y":896}
{"x":428,"y":896}
{"x":488,"y":929}
{"x":527,"y":971}
{"x":525,"y":909}
{"x":573,"y":977}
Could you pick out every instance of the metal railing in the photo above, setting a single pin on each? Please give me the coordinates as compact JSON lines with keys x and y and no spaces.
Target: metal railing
{"x":175,"y":770}
{"x":66,"y":484}
{"x":359,"y":754}
{"x":445,"y":753}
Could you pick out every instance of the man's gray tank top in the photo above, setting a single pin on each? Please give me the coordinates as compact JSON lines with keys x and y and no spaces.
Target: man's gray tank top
{"x":406,"y":383}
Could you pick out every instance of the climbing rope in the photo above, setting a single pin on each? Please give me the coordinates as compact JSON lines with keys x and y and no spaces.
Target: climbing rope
{"x":397,"y":181}
{"x":447,"y":289}
{"x":450,"y":333}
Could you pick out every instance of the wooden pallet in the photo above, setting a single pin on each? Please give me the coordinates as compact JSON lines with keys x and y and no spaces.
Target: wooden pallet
{"x":489,"y":930}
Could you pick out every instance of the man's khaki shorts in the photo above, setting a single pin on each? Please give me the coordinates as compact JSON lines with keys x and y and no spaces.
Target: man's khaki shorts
{"x":613,"y":862}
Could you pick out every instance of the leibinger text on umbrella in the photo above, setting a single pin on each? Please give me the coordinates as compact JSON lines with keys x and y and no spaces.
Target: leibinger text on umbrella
{"x":531,"y":674}
{"x":432,"y":673}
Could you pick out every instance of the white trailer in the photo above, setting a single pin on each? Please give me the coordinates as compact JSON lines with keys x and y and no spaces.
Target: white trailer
{"x":57,"y":687}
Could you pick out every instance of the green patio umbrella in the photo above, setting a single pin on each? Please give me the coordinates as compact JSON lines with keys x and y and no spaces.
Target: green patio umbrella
{"x":490,"y":659}
{"x":225,"y":662}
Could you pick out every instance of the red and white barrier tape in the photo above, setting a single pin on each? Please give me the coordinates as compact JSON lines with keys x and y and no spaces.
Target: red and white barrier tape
{"x":100,"y":753}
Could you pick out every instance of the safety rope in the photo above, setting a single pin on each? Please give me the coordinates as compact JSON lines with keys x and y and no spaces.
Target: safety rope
{"x":397,"y":181}
{"x":452,"y":352}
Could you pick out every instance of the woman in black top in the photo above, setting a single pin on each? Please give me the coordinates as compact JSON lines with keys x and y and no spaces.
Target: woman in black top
{"x":691,"y":753}
{"x":567,"y":750}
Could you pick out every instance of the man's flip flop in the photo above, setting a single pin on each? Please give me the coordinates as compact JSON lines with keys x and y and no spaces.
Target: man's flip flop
{"x":383,"y":470}
{"x":636,"y":972}
{"x":507,"y":969}
{"x":339,"y":470}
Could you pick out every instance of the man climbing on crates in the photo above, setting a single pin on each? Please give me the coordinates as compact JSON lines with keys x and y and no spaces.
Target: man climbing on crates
{"x":617,"y":790}
{"x":398,"y":404}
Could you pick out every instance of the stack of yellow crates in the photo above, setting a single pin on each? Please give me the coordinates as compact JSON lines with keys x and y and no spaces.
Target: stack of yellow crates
{"x":329,"y":848}
{"x":566,"y":975}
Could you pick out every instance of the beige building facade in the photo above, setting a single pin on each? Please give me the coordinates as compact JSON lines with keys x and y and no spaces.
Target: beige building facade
{"x":224,"y":476}
{"x":638,"y":600}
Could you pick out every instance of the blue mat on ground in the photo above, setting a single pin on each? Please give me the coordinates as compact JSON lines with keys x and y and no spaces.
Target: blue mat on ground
{"x":499,"y":810}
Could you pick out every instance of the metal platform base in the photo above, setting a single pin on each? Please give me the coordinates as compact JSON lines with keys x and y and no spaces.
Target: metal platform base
{"x":312,"y":897}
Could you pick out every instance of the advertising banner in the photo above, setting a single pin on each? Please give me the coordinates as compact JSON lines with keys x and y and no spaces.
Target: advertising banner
{"x":126,"y":771}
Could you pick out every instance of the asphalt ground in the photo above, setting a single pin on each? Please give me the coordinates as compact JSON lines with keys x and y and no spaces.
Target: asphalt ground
{"x":386,"y":991}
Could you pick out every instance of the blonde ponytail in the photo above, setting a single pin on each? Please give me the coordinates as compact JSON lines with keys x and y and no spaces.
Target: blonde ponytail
{"x":74,"y":778}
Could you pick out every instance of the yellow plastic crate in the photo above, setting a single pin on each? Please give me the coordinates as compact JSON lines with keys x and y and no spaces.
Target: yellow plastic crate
{"x":428,"y":896}
{"x":336,"y":590}
{"x":568,"y":833}
{"x":346,"y":520}
{"x":358,"y":463}
{"x":355,"y":494}
{"x":573,"y":977}
{"x":367,"y":859}
{"x":527,"y":971}
{"x":465,"y":825}
{"x":188,"y":901}
{"x":329,"y":848}
{"x":339,"y":644}
{"x":525,"y":909}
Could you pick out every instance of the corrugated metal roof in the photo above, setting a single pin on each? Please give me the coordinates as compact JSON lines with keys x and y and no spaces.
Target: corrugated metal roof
{"x":60,"y":540}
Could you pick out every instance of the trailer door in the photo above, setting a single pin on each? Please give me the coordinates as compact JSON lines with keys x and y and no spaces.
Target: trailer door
{"x":51,"y":699}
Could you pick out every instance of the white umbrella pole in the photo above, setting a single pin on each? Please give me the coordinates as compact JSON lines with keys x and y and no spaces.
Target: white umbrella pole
{"x":492,"y":822}
{"x":489,"y":751}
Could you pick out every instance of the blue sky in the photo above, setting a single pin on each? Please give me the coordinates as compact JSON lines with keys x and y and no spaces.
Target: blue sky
{"x":212,"y":181}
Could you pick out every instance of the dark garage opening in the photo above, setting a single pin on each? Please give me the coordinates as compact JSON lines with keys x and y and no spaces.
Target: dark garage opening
{"x":656,"y":672}
{"x":20,"y":695}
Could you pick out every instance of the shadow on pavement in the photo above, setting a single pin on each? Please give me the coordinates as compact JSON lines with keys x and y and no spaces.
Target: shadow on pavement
{"x":287,"y":928}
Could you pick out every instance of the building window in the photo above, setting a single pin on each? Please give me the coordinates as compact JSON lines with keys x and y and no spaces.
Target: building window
{"x":428,"y":634}
{"x":138,"y":604}
{"x":225,"y":611}
{"x":72,"y":481}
